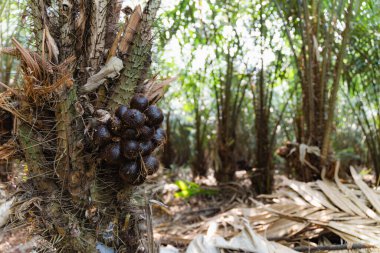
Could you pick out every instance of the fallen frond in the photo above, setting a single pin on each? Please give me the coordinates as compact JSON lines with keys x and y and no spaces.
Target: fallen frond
{"x":8,"y":149}
{"x":293,"y":215}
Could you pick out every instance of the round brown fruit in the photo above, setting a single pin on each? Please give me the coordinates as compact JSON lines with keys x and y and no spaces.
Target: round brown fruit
{"x":115,"y":125}
{"x":130,"y":134}
{"x":112,"y":153}
{"x":130,"y":149}
{"x":102,"y":135}
{"x":146,"y":148}
{"x":139,"y":102}
{"x":146,"y":133}
{"x":151,"y":164}
{"x":129,"y":171}
{"x":133,"y":118}
{"x":159,"y":137}
{"x":121,"y":110}
{"x":154,"y":116}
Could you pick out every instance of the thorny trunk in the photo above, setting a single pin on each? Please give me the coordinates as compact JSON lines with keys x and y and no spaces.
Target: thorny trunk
{"x":226,"y":127}
{"x":199,"y":163}
{"x":229,"y":99}
{"x":263,"y":176}
{"x":168,"y":154}
{"x":316,"y":71}
{"x":229,"y":87}
{"x":74,"y":74}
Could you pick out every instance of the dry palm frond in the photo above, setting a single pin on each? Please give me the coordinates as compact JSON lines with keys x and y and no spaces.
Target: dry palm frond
{"x":247,"y":240}
{"x":335,"y":211}
{"x":36,"y":92}
{"x":299,"y":211}
{"x":8,"y":149}
{"x":40,"y":75}
{"x":154,"y":90}
{"x":29,"y":61}
{"x":130,"y":29}
{"x":8,"y":105}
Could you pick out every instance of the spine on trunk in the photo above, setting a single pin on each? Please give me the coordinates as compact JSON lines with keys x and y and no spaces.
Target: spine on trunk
{"x":138,"y":58}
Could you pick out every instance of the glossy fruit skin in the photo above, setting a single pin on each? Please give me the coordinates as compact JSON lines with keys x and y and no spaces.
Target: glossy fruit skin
{"x":154,"y":116}
{"x":133,"y":118}
{"x":102,"y":135}
{"x":115,"y":125}
{"x":121,"y":110}
{"x":129,"y":171}
{"x":146,"y":148}
{"x":146,"y":133}
{"x":112,"y":154}
{"x":139,"y":102}
{"x":159,"y":137}
{"x":129,"y":138}
{"x":130,"y":149}
{"x":151,"y":164}
{"x":130,"y":134}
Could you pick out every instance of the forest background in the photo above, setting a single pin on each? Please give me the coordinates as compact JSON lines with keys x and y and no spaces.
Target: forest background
{"x":253,"y":75}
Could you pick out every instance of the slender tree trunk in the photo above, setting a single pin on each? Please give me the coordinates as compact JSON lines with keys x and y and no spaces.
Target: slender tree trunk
{"x":168,"y":154}
{"x":263,"y":177}
{"x":199,"y":163}
{"x":225,"y":133}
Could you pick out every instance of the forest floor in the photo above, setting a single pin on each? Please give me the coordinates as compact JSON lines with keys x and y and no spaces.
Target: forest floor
{"x":304,"y":217}
{"x":201,"y":216}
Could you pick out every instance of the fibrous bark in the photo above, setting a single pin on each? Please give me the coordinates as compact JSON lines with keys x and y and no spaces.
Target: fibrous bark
{"x":319,"y":73}
{"x":81,"y":202}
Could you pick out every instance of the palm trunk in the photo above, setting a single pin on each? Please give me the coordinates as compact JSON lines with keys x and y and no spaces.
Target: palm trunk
{"x":315,"y":72}
{"x":80,"y":200}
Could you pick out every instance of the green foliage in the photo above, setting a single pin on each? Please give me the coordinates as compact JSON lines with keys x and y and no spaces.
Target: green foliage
{"x":362,"y":75}
{"x":189,"y":189}
{"x":215,"y":49}
{"x":13,"y":24}
{"x":366,"y":172}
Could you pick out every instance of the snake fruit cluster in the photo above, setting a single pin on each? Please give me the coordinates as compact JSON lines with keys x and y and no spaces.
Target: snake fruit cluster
{"x":129,"y":139}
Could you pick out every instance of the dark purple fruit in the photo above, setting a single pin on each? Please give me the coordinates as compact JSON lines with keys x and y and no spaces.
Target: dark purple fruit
{"x":129,"y":171}
{"x":102,"y":135}
{"x":114,"y":124}
{"x":154,"y":116}
{"x":121,"y":110}
{"x":130,"y":149}
{"x":159,"y":137}
{"x":151,"y":164}
{"x":130,"y":134}
{"x":112,"y":153}
{"x":146,"y":133}
{"x":133,"y":118}
{"x":139,"y":102}
{"x":146,"y":148}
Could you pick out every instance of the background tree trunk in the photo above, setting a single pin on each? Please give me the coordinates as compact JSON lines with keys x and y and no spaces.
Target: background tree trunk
{"x":316,"y":71}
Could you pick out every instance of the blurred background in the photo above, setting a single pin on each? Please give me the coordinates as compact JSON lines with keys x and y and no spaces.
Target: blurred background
{"x":254,"y":79}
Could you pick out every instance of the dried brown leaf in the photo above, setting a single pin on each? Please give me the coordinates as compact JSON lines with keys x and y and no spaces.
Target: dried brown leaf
{"x":130,"y":30}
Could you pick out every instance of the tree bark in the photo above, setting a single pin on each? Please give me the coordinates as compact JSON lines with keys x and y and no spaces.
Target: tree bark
{"x":315,"y":72}
{"x":82,"y":202}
